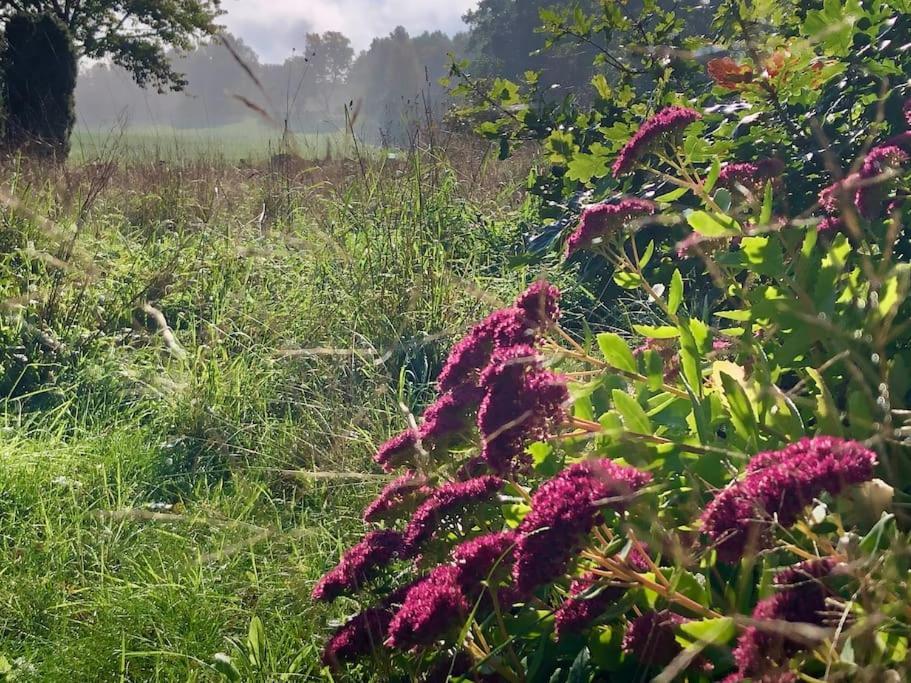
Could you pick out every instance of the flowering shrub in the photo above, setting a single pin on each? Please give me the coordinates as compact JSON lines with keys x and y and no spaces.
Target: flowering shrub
{"x":721,"y":495}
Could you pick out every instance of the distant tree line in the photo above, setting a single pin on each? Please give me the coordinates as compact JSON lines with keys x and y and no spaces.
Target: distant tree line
{"x":166,"y":63}
{"x":395,"y":78}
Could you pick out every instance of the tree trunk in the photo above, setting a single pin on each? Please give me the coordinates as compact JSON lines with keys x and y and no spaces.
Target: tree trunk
{"x":39,"y":72}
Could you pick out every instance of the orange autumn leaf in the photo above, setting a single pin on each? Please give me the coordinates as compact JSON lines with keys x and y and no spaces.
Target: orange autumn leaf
{"x":729,"y":74}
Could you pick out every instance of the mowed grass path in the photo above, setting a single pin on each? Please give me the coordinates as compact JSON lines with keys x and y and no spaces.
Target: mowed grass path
{"x":149,"y":513}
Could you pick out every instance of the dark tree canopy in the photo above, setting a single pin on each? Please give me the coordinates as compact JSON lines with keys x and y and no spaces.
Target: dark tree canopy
{"x":134,"y":34}
{"x":504,"y":40}
{"x":39,"y":67}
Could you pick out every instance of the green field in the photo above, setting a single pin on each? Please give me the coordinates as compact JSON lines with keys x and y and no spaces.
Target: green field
{"x":157,"y":494}
{"x":251,"y":140}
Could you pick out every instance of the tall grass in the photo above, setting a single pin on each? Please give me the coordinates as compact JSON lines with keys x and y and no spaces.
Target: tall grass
{"x":183,"y":345}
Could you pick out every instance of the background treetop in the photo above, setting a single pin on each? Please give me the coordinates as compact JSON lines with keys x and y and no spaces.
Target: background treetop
{"x":134,"y":34}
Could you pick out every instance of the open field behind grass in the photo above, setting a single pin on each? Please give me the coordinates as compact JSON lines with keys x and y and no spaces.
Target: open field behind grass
{"x":250,"y":140}
{"x":181,"y":345}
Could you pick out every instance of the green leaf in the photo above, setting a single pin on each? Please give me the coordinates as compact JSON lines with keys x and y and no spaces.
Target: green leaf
{"x":702,"y":334}
{"x":742,"y":414}
{"x":616,"y":352}
{"x":579,"y":672}
{"x":764,"y":255}
{"x":827,"y":416}
{"x":627,"y":280}
{"x":634,"y":417}
{"x":601,"y":86}
{"x":893,"y":291}
{"x":713,"y":225}
{"x":723,"y":199}
{"x":562,"y":146}
{"x":880,"y":536}
{"x":647,"y":254}
{"x":654,"y":370}
{"x":765,"y":214}
{"x":584,"y":167}
{"x":672,"y":196}
{"x":718,"y":631}
{"x":544,"y":458}
{"x":662,"y":332}
{"x":690,"y":359}
{"x":256,"y":641}
{"x":612,"y":424}
{"x":222,"y":664}
{"x":514,"y":513}
{"x":740,"y":316}
{"x":675,"y":293}
{"x":712,"y":177}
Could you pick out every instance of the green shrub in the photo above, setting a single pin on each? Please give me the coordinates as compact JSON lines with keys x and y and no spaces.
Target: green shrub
{"x":718,"y":495}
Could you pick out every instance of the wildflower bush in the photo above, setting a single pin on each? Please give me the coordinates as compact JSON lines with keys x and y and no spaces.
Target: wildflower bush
{"x":774,"y":76}
{"x":720,"y":495}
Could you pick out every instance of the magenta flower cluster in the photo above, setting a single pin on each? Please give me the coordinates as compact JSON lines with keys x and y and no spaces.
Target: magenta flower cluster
{"x":432,"y":607}
{"x":462,"y":391}
{"x":666,"y":124}
{"x":409,"y":489}
{"x":358,"y":637}
{"x":868,"y":188}
{"x":445,"y":501}
{"x":438,"y":603}
{"x":477,"y":558}
{"x":872,"y":178}
{"x":651,"y":637}
{"x":760,"y":653}
{"x":600,"y":221}
{"x":751,"y":176}
{"x":563,"y":511}
{"x":585,"y":603}
{"x":777,"y":487}
{"x":521,"y":402}
{"x":376,"y":550}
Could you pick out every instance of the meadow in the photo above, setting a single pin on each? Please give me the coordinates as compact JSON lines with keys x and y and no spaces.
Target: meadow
{"x":198,"y":361}
{"x":251,"y":141}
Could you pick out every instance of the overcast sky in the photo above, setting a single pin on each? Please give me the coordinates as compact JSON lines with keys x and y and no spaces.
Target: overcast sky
{"x":274,"y":27}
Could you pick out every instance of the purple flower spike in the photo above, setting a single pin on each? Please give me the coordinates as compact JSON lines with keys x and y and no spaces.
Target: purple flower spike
{"x":450,"y":414}
{"x":540,"y":303}
{"x":778,"y":486}
{"x":650,"y":638}
{"x":521,"y":400}
{"x":501,"y":329}
{"x":358,"y":637}
{"x":830,"y":225}
{"x":477,"y":558}
{"x":600,"y":221}
{"x":409,"y":488}
{"x":873,"y":177}
{"x":833,"y":197}
{"x":448,"y":499}
{"x":376,"y":550}
{"x":752,"y":176}
{"x":576,"y":613}
{"x":563,"y":512}
{"x":397,"y":450}
{"x":433,"y":607}
{"x":762,"y":654}
{"x":666,"y":123}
